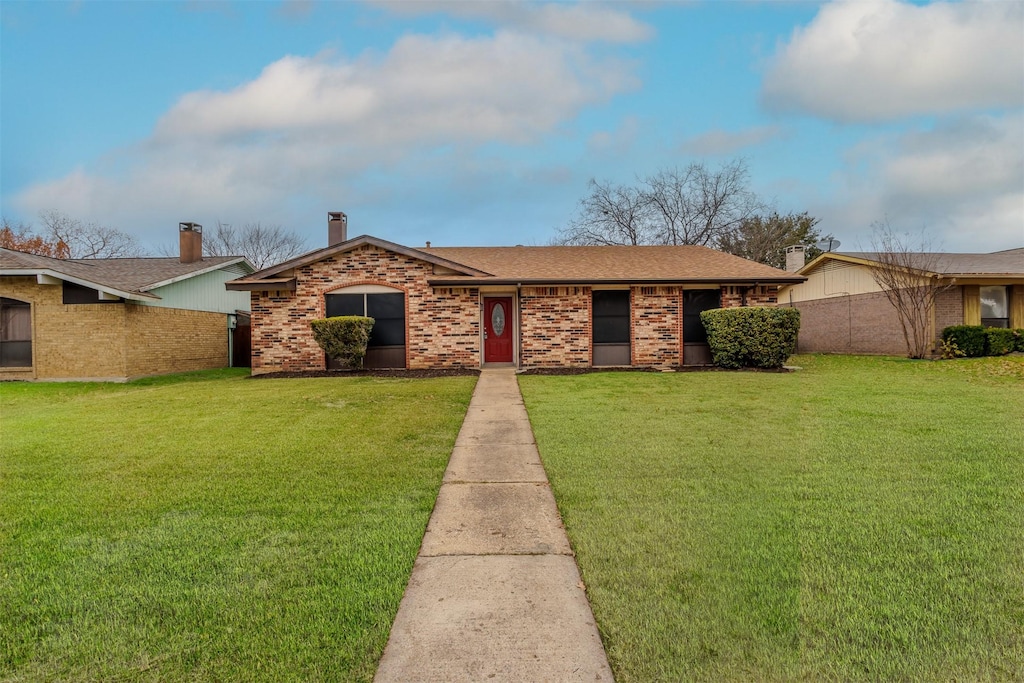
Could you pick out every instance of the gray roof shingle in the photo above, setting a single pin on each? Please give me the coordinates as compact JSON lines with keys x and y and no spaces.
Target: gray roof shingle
{"x":132,"y":275}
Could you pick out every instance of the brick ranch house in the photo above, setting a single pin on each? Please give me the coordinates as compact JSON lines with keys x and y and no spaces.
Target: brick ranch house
{"x":843,"y":310}
{"x":527,"y":307}
{"x":120,"y":318}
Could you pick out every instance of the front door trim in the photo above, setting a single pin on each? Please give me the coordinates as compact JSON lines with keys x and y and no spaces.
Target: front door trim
{"x":499,"y":349}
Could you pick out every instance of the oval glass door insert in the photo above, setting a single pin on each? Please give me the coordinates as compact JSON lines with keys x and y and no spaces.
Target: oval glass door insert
{"x":498,"y":319}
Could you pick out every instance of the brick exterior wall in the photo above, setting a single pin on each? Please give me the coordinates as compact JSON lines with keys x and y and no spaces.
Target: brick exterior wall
{"x":442,"y":327}
{"x":866,"y":323}
{"x":863,"y":323}
{"x":164,"y":340}
{"x":949,"y":309}
{"x":443,"y":324}
{"x":735,"y":296}
{"x":114,"y":341}
{"x":555,"y":326}
{"x":656,"y":326}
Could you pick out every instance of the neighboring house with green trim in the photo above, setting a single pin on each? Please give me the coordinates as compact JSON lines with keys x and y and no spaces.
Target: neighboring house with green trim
{"x":843,"y":309}
{"x":117,"y":319}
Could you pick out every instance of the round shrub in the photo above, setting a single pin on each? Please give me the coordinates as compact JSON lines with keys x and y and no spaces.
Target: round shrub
{"x":968,"y":338}
{"x":754,"y":337}
{"x":344,"y":338}
{"x":999,"y":341}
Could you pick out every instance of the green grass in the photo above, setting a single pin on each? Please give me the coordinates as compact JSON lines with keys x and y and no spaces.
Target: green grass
{"x":211,"y":527}
{"x":861,"y":519}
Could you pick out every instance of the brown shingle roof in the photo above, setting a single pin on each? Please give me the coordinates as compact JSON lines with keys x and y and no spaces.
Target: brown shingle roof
{"x":608,"y":264}
{"x":130,"y":275}
{"x":577,"y":265}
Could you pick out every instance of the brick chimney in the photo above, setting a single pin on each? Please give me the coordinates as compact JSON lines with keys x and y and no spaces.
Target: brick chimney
{"x":795,"y":258}
{"x":190,"y":241}
{"x":337,"y":228}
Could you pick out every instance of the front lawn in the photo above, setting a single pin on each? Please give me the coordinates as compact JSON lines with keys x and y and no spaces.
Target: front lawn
{"x":212,"y":527}
{"x":860,"y":519}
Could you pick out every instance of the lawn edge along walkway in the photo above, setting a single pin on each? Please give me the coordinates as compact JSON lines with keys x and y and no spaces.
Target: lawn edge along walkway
{"x":495,"y":593}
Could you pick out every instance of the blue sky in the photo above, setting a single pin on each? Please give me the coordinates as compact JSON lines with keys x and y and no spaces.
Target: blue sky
{"x":481,"y":123}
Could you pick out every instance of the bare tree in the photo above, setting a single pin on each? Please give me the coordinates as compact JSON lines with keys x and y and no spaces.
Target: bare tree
{"x":263,"y":245}
{"x":693,"y":205}
{"x":610,"y":214}
{"x":911,"y":280}
{"x":21,"y":238}
{"x":764,"y":238}
{"x":89,"y":240}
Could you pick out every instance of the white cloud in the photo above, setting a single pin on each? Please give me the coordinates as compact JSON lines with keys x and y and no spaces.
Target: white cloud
{"x":962,"y":182}
{"x":718,"y":141}
{"x":875,"y":60}
{"x":315,"y":127}
{"x":584,"y":21}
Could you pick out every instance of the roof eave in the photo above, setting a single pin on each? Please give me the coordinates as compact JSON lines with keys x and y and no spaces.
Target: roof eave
{"x":122,"y":293}
{"x":282,"y":284}
{"x":533,"y":282}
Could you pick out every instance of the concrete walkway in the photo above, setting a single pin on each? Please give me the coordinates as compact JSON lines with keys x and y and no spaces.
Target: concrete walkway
{"x":495,"y":594}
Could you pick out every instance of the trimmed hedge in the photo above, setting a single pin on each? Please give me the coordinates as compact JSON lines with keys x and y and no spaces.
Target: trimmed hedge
{"x":999,"y":341}
{"x":968,"y":338}
{"x":344,"y":338}
{"x":1019,"y":340}
{"x":754,"y":337}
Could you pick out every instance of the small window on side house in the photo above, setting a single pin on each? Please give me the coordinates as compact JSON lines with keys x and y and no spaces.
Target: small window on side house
{"x":15,"y":334}
{"x":995,"y":306}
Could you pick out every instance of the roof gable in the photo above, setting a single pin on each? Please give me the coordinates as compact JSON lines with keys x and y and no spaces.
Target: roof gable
{"x":129,"y":278}
{"x":273,"y":274}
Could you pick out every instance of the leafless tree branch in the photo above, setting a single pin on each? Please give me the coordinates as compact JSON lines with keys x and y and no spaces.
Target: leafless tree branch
{"x":909,"y":276}
{"x":692,"y":205}
{"x":263,"y":245}
{"x":89,"y":240}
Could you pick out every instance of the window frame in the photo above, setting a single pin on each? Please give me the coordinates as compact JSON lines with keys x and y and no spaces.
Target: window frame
{"x":1004,"y":321}
{"x":7,"y":304}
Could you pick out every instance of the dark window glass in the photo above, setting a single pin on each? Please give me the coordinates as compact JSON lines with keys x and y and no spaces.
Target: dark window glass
{"x":387,"y":310}
{"x":15,"y":334}
{"x":344,"y":304}
{"x":695,"y":301}
{"x":611,"y":317}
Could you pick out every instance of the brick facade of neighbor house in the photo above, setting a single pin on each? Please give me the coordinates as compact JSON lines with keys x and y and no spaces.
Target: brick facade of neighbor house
{"x":949,"y":309}
{"x":656,"y":326}
{"x":863,"y":323}
{"x":555,"y":326}
{"x":113,"y":341}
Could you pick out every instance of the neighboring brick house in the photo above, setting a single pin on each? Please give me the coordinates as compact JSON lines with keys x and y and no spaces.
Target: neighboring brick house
{"x":117,"y":319}
{"x":843,"y":310}
{"x":529,"y":307}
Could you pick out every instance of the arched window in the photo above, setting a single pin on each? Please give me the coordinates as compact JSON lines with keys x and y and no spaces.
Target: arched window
{"x":387,"y":308}
{"x":15,"y":334}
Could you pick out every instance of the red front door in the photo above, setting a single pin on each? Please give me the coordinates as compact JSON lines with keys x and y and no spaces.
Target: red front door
{"x":498,"y":330}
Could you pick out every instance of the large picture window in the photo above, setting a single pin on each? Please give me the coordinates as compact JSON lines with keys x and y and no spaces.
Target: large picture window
{"x":15,"y":334}
{"x":387,"y":338}
{"x":610,"y":325}
{"x":995,"y":306}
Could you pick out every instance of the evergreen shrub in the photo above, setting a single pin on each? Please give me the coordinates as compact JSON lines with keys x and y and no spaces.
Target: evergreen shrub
{"x":968,"y":338}
{"x":344,"y":338}
{"x":753,"y":337}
